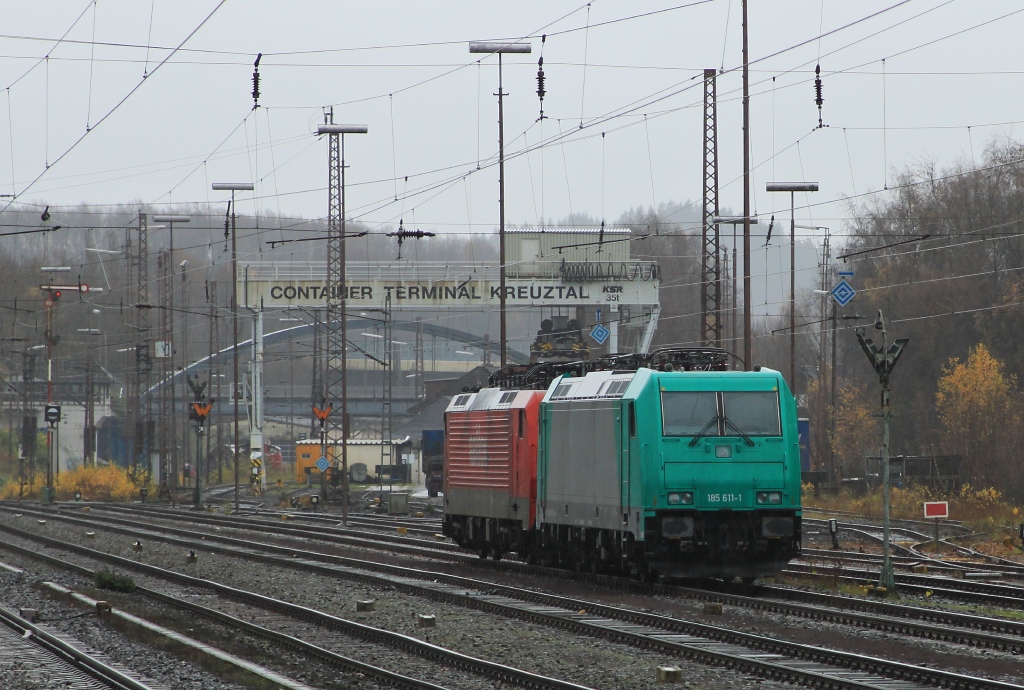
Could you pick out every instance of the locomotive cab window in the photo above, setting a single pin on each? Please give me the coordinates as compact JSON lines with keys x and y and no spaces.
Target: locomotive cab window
{"x":756,"y":413}
{"x":688,"y":413}
{"x":706,"y":413}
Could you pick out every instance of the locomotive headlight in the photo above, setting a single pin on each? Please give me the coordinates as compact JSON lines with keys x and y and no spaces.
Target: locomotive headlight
{"x":768,"y":498}
{"x":677,"y":498}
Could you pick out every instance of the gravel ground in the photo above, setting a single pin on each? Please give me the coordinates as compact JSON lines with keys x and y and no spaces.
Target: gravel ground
{"x":542,"y":650}
{"x":19,"y":591}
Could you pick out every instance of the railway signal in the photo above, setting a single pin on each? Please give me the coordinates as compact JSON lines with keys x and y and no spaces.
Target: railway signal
{"x":51,"y":413}
{"x":198,"y":412}
{"x":884,"y":358}
{"x":833,"y":529}
{"x":322,"y":413}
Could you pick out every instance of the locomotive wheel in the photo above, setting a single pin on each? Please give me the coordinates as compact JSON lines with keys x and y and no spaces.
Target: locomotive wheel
{"x":496,"y":553}
{"x":483,"y":553}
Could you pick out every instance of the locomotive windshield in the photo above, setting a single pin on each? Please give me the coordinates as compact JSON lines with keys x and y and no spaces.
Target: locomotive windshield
{"x":747,"y":413}
{"x":688,"y":413}
{"x":755,"y":412}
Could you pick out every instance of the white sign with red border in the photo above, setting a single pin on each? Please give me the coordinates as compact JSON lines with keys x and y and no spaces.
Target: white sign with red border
{"x":936,"y":509}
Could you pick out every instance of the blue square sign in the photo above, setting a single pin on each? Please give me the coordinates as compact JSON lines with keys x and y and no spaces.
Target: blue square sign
{"x":600,"y":334}
{"x":322,"y":464}
{"x":843,"y":293}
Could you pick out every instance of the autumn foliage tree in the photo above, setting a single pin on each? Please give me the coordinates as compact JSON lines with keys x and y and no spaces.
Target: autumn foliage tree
{"x":856,"y":430}
{"x":978,"y":410}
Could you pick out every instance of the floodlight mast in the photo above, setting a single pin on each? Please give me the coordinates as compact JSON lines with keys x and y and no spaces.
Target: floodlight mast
{"x":734,"y":221}
{"x":336,"y":379}
{"x":171,"y":219}
{"x":792,"y":188}
{"x":500,"y":49}
{"x":234,"y":187}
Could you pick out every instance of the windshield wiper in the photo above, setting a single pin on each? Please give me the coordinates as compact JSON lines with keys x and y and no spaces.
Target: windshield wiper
{"x":739,"y":432}
{"x":704,"y":432}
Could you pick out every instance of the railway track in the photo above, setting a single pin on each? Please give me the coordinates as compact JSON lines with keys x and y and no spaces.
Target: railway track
{"x":918,"y":540}
{"x":47,"y":659}
{"x":961,"y":590}
{"x":650,"y":631}
{"x":950,"y":525}
{"x":290,"y":625}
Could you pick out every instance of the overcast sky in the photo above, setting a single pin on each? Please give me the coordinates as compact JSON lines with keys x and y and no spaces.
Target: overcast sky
{"x":630,"y":73}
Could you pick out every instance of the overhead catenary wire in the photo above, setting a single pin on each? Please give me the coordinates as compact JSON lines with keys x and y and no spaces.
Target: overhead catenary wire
{"x":112,"y":110}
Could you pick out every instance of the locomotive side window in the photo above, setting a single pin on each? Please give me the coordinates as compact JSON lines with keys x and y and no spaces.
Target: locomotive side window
{"x":632,"y":419}
{"x":687,"y":413}
{"x":756,"y":413}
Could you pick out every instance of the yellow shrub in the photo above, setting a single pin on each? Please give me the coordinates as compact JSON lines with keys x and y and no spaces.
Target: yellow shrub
{"x":107,"y":483}
{"x":10,"y":490}
{"x":981,"y":509}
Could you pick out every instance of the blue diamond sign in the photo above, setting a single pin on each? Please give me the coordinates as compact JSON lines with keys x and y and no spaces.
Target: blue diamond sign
{"x":322,"y":464}
{"x":600,"y":334}
{"x":843,"y":293}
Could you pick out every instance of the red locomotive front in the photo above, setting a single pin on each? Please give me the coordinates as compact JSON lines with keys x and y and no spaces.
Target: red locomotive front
{"x":490,"y":469}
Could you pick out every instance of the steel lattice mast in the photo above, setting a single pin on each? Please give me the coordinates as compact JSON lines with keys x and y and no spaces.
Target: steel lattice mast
{"x":143,"y":362}
{"x":336,"y":380}
{"x":335,"y":383}
{"x":710,"y":284}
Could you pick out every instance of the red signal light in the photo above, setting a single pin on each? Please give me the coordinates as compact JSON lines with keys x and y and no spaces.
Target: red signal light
{"x":56,"y":294}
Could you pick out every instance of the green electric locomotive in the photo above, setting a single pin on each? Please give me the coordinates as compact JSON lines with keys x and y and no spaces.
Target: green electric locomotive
{"x":669,"y":473}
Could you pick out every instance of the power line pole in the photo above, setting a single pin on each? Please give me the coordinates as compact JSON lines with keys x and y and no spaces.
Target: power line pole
{"x":386,"y":451}
{"x":318,"y":394}
{"x":29,"y":424}
{"x":420,"y":392}
{"x":215,"y":372}
{"x":234,"y":187}
{"x":747,"y":336}
{"x":710,"y":283}
{"x":167,"y":420}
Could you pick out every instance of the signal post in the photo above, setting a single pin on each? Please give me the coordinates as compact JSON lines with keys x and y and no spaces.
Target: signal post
{"x":52,"y":413}
{"x":198,"y":412}
{"x":321,"y":414}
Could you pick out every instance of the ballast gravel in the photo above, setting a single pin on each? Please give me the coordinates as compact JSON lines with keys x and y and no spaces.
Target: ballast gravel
{"x":162,"y":668}
{"x":546,"y":651}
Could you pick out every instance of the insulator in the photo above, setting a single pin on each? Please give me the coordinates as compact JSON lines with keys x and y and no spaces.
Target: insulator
{"x":540,"y":79}
{"x":255,"y":87}
{"x":819,"y":99}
